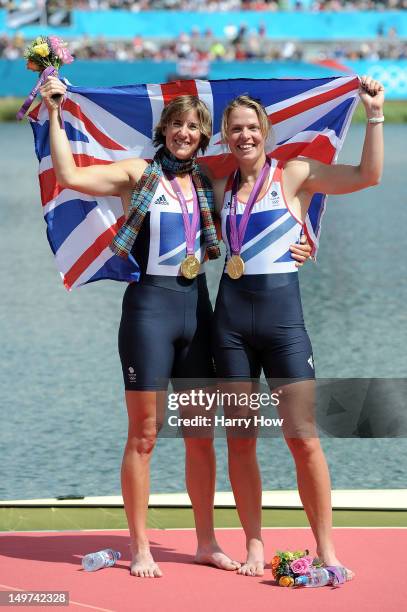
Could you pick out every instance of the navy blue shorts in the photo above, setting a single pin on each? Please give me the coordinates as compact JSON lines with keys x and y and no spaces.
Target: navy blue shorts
{"x":259,"y":324}
{"x":165,"y":334}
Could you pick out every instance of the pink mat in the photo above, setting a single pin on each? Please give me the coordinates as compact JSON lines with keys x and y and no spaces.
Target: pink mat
{"x":51,"y":561}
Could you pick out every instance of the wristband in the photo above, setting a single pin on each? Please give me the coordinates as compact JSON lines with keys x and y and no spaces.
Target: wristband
{"x":376,"y":119}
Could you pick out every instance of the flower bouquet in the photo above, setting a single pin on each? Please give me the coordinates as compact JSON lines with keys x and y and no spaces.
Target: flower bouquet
{"x":287,"y":566}
{"x":47,"y":51}
{"x":44,"y":55}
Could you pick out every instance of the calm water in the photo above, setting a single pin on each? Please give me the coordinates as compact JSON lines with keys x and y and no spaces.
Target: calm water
{"x":63,"y":417}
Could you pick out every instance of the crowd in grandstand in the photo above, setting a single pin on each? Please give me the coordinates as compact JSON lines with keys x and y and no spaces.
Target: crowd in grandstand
{"x":217,"y":5}
{"x":233,"y":5}
{"x":242,"y":47}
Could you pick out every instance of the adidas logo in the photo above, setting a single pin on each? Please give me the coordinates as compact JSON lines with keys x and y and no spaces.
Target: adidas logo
{"x":161,"y":201}
{"x":311,"y":361}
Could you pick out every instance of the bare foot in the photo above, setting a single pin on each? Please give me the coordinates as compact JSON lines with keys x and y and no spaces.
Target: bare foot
{"x":332,"y":559}
{"x":216,"y":557}
{"x":254,"y":565}
{"x":144,"y":566}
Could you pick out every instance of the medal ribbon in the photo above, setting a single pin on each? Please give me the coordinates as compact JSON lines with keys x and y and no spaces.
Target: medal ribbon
{"x":49,"y":71}
{"x":237,"y":236}
{"x":190,"y":227}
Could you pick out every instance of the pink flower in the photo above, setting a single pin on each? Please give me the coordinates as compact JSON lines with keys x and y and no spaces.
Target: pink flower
{"x":64,"y":56}
{"x":60,"y":50}
{"x":55,"y":41}
{"x":301,"y":566}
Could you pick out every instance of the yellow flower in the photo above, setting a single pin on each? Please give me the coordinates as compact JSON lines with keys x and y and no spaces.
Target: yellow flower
{"x":286,"y":581}
{"x":42,"y":50}
{"x":38,"y":40}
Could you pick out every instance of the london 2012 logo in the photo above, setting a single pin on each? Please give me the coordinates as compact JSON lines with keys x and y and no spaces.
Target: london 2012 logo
{"x":132,"y":374}
{"x":393,"y":77}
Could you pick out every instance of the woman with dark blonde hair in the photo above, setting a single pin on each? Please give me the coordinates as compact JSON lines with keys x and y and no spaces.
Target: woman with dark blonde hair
{"x":166,"y":319}
{"x":166,"y":315}
{"x":258,"y":320}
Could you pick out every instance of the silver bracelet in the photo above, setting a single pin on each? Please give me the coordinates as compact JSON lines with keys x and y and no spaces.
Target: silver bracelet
{"x":376,"y":119}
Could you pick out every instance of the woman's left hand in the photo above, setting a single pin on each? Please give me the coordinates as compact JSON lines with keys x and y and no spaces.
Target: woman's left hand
{"x":301,"y":252}
{"x":371,"y":93}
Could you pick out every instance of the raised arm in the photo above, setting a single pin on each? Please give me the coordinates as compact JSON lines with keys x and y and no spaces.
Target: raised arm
{"x":306,"y":175}
{"x":110,"y":179}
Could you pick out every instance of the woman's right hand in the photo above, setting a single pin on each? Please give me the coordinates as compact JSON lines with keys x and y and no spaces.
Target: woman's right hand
{"x":53,"y":87}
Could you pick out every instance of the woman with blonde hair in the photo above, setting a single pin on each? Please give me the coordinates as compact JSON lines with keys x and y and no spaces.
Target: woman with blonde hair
{"x":258,"y":320}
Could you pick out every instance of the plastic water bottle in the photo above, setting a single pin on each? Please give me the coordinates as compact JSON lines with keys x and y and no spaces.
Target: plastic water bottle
{"x":320,"y":576}
{"x":98,"y":560}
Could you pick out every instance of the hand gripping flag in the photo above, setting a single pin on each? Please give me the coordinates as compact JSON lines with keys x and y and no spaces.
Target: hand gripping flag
{"x":310,"y":118}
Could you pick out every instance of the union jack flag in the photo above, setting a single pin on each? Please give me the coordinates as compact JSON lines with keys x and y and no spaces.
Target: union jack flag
{"x":310,"y":117}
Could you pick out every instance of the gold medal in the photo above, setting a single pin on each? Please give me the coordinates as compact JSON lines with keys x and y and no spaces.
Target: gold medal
{"x":190,"y":267}
{"x":235,"y":267}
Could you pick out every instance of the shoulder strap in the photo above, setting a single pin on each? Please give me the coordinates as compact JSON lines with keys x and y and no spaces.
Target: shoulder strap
{"x":278,"y":170}
{"x":204,"y":192}
{"x":229,"y":183}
